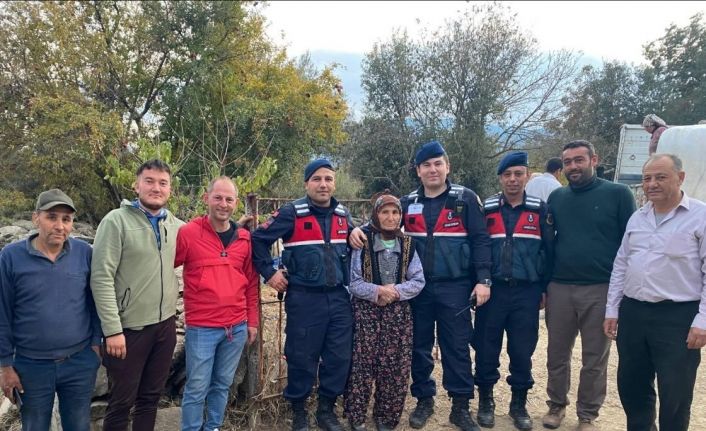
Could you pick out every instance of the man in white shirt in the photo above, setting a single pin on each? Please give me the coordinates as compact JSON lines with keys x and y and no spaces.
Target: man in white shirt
{"x":657,"y":300}
{"x":542,"y":185}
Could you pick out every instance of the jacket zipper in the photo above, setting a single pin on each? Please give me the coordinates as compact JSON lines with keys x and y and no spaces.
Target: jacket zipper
{"x":161,"y":273}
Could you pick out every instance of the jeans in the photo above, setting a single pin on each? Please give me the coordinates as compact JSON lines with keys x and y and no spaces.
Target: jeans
{"x":72,"y":379}
{"x":212,"y":356}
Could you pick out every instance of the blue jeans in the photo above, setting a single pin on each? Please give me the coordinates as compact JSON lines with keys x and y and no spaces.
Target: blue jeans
{"x":72,"y":380}
{"x":212,"y":356}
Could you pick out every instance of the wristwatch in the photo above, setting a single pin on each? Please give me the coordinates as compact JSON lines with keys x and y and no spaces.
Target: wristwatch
{"x":488,"y":282}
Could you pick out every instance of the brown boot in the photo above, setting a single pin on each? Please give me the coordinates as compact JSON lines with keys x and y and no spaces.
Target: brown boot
{"x":554,"y":416}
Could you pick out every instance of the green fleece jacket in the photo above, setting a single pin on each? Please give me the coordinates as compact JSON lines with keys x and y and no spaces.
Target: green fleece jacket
{"x":589,"y":222}
{"x":132,"y":280}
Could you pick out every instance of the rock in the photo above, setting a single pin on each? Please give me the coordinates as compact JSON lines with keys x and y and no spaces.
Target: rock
{"x":12,"y":231}
{"x":101,"y":387}
{"x":98,"y":409}
{"x":25,"y":224}
{"x":168,"y":419}
{"x":84,"y":229}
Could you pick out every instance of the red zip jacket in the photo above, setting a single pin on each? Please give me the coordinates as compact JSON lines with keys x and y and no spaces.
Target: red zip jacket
{"x":221,"y":286}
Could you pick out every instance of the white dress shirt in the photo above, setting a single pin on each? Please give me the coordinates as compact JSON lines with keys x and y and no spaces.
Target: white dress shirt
{"x":665,"y":261}
{"x":542,"y":186}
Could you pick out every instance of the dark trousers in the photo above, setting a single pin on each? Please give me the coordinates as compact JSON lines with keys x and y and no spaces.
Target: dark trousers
{"x":319,"y":338}
{"x":515,"y":310}
{"x":652,"y":340}
{"x":382,"y":355}
{"x":139,"y":378}
{"x":440,"y":306}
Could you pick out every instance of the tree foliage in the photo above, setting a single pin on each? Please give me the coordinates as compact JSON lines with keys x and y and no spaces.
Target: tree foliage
{"x":478,"y":83}
{"x":672,"y":85}
{"x":86,"y":85}
{"x":678,"y":65}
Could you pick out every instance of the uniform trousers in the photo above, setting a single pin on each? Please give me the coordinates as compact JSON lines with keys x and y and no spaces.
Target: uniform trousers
{"x":441,"y":309}
{"x":319,"y":341}
{"x":512,"y":309}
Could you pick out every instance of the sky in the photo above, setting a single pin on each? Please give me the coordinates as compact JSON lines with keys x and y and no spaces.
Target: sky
{"x":343,"y":31}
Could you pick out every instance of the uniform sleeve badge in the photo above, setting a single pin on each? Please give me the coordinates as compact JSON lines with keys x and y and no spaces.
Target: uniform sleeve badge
{"x":269,"y":221}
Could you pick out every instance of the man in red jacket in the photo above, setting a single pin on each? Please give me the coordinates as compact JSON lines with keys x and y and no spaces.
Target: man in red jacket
{"x":221,"y":304}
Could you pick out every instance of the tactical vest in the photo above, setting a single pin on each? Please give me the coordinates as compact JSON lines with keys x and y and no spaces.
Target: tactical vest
{"x":314,"y":259}
{"x":517,"y":254}
{"x":446,"y":253}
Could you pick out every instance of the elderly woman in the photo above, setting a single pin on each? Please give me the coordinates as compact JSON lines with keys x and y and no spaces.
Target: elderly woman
{"x":654,"y":126}
{"x":385,"y":274}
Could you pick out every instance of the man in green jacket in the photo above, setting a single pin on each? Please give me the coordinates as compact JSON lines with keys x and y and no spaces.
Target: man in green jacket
{"x":135,"y":291}
{"x":589,"y":217}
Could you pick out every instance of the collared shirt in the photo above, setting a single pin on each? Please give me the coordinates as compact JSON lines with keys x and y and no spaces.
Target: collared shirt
{"x":542,"y":186}
{"x":662,"y":261}
{"x":388,"y":258}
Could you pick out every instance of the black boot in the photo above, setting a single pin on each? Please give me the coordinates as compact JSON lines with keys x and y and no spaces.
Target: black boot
{"x":461,"y":416}
{"x":421,"y":413}
{"x":325,"y":416}
{"x":486,"y":407}
{"x":300,"y":419}
{"x":518,"y":410}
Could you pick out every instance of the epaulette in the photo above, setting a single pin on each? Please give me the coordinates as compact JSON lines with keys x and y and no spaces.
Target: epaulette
{"x":456,"y":191}
{"x":301,"y":207}
{"x":492,"y":203}
{"x":533,"y":203}
{"x":455,"y":198}
{"x":341,"y":210}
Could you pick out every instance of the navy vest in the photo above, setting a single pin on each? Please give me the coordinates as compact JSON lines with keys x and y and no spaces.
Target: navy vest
{"x":518,"y":253}
{"x":448,"y":243}
{"x":313,"y":258}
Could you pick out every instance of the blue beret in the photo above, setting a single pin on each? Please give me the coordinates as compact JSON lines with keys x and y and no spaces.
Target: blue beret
{"x":314,"y":166}
{"x":429,"y":150}
{"x":518,"y":158}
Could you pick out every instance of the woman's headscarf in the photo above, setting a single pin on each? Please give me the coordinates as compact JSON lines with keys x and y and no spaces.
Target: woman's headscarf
{"x":379,"y":202}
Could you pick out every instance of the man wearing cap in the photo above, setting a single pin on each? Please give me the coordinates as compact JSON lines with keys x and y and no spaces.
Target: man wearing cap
{"x":49,"y":329}
{"x":135,"y":289}
{"x":319,"y":328}
{"x":521,"y":242}
{"x":447,"y":225}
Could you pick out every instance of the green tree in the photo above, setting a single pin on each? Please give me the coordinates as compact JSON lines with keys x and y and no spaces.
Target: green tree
{"x":478,"y":83}
{"x":86,"y":85}
{"x":600,"y":102}
{"x":678,"y":63}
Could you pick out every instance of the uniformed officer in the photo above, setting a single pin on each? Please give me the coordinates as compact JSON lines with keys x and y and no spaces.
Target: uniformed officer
{"x":447,"y":225}
{"x":319,"y":328}
{"x":521,"y":243}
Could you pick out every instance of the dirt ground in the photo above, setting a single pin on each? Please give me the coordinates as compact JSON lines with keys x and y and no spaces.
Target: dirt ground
{"x":611,"y":417}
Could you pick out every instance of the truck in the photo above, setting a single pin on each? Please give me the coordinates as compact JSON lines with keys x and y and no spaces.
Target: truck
{"x":687,"y":142}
